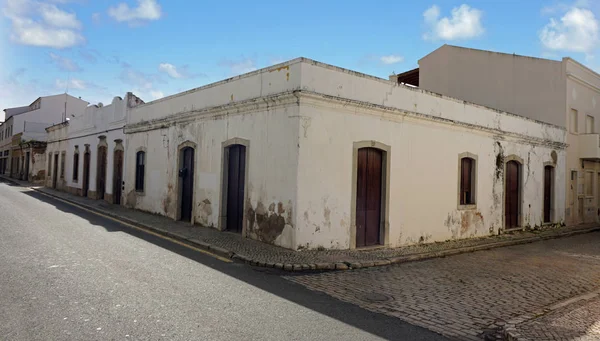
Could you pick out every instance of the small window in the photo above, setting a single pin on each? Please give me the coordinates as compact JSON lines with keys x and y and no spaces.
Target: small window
{"x":62,"y":165}
{"x":467,"y":181}
{"x":140,"y":162}
{"x":573,"y":121}
{"x":75,"y":166}
{"x":589,"y":124}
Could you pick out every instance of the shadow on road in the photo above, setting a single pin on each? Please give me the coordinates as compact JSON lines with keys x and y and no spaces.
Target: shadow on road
{"x":270,"y":280}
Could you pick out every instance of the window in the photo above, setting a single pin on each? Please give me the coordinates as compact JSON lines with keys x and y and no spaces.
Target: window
{"x":573,"y":121}
{"x":589,"y":124}
{"x":62,"y":165}
{"x":75,"y":166}
{"x":467,"y":181}
{"x":588,"y":183}
{"x":140,"y":161}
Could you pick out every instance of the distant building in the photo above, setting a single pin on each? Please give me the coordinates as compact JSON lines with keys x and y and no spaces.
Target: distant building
{"x":564,"y":93}
{"x":23,"y":135}
{"x":86,"y":154}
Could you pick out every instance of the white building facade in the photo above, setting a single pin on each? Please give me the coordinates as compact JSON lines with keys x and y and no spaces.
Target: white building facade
{"x":92,"y":143}
{"x":564,"y":93}
{"x":24,"y":127}
{"x":308,"y":155}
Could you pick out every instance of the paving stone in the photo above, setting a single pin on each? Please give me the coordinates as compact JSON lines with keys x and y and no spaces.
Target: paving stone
{"x":466,"y":294}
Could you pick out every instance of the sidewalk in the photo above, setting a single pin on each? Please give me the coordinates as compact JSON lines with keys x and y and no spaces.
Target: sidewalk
{"x":260,"y":254}
{"x":575,"y":319}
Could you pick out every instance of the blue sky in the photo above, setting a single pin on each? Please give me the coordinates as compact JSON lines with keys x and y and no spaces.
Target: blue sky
{"x":104,"y":48}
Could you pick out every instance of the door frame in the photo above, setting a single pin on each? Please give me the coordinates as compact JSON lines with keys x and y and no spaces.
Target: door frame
{"x":101,"y":144}
{"x":223,"y":183}
{"x":118,"y":148}
{"x":85,"y":172}
{"x":519,"y":160}
{"x":552,"y":195}
{"x":180,"y":149}
{"x":55,"y":160}
{"x":384,"y":228}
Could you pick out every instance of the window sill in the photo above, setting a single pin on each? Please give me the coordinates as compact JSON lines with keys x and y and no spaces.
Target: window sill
{"x":467,"y":207}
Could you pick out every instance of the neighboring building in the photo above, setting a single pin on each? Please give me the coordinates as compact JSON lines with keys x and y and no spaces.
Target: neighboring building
{"x":86,"y":154}
{"x":564,"y":93}
{"x":23,"y":135}
{"x":308,"y":155}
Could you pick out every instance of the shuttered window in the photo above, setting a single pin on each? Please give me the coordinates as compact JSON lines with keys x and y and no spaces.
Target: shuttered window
{"x":467,"y":181}
{"x":140,"y":163}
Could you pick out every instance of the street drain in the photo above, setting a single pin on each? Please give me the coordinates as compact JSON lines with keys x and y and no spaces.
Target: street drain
{"x":375,"y":297}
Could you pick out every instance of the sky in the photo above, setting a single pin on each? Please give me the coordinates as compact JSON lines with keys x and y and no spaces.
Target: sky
{"x":98,"y":49}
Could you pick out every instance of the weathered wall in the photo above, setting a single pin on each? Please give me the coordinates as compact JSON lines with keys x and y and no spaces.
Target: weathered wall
{"x":56,"y":145}
{"x":530,"y":87}
{"x":426,"y":137}
{"x":583,"y":95}
{"x":85,"y":129}
{"x":271,"y":127}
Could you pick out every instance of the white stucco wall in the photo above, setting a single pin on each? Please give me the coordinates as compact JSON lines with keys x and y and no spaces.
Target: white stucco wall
{"x":301,"y":128}
{"x":57,"y":145}
{"x":583,"y":95}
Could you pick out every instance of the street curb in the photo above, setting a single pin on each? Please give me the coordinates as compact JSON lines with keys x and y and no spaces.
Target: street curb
{"x":330,"y":266}
{"x":510,"y":331}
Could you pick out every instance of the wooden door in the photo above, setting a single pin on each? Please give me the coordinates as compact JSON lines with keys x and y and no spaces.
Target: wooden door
{"x":187,"y":183}
{"x":548,"y":175}
{"x":27,"y":157}
{"x":512,"y":195}
{"x":368,"y":197}
{"x":55,"y":171}
{"x":101,"y":172}
{"x":236,"y":173}
{"x":86,"y":174}
{"x":117,"y":177}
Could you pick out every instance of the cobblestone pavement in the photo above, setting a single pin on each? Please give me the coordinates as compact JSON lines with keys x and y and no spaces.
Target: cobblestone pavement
{"x":576,"y":322}
{"x":463,"y":295}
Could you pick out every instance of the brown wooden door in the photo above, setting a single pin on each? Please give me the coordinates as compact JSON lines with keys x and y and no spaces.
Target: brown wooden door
{"x":101,"y":173}
{"x":117,"y":177}
{"x":236,"y":173}
{"x":86,"y":174}
{"x":548,"y":175}
{"x":55,"y":171}
{"x":187,"y":183}
{"x":512,"y":195}
{"x":368,"y":197}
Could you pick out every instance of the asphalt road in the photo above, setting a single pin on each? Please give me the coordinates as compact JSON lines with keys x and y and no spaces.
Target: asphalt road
{"x":66,"y":274}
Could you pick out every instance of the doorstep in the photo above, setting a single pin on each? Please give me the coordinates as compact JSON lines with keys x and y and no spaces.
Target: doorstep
{"x":256,"y":253}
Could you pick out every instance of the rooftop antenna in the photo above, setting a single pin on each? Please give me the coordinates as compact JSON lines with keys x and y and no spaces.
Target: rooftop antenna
{"x":66,"y":97}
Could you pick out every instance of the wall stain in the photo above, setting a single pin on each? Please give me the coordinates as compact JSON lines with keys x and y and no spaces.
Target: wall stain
{"x":205,"y":211}
{"x":267,"y":224}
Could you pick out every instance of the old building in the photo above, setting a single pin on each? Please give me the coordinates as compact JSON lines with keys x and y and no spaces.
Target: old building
{"x":23,"y":135}
{"x":563,"y":93}
{"x":86,"y":154}
{"x":308,"y":155}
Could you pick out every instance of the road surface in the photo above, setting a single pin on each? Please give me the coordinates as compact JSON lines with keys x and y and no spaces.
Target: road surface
{"x":67,"y":274}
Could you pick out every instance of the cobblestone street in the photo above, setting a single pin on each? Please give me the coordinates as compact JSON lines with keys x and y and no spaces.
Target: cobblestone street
{"x":462,"y":296}
{"x":577,"y":322}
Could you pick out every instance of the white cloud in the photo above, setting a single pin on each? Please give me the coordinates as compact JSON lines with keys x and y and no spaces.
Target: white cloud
{"x":156,"y":94}
{"x":170,"y":70}
{"x":391,"y":59}
{"x":577,"y":31}
{"x":464,"y":23}
{"x":146,"y":10}
{"x":238,"y":67}
{"x":71,"y":84}
{"x":64,"y":64}
{"x":58,"y":18}
{"x":96,"y":17}
{"x":40,"y":23}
